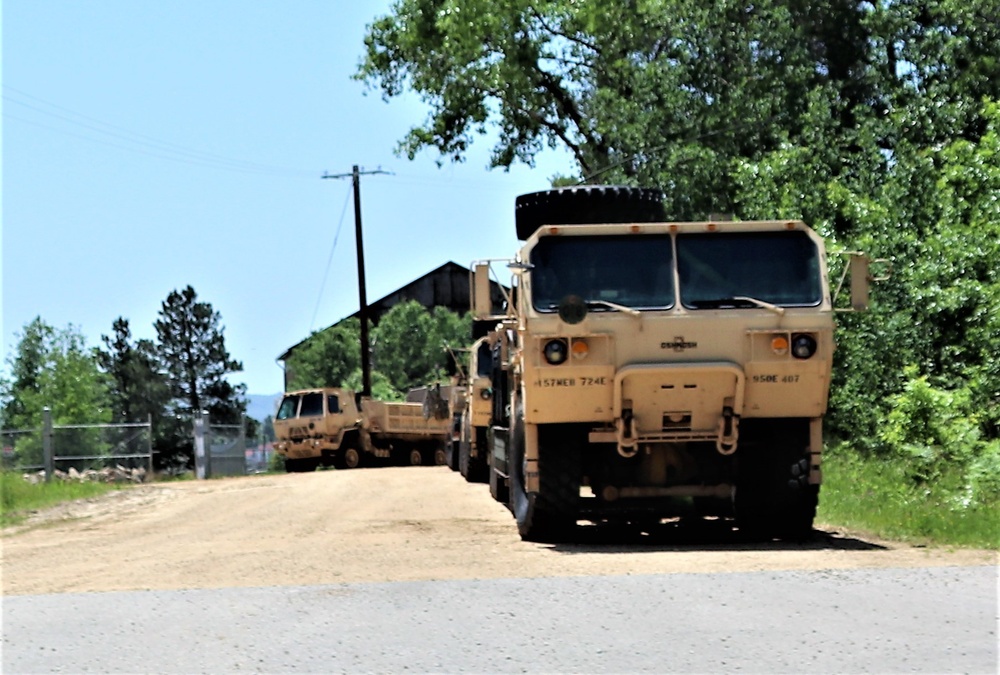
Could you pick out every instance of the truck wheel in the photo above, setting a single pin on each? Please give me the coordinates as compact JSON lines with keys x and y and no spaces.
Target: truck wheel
{"x":479,"y":465}
{"x":440,"y":456}
{"x":549,"y":515}
{"x":451,"y":455}
{"x":416,"y":457}
{"x":587,"y":204}
{"x":464,"y":454}
{"x":773,"y":496}
{"x":352,"y":458}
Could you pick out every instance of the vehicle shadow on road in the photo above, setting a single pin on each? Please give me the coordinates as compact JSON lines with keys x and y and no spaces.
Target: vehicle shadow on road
{"x":682,"y":535}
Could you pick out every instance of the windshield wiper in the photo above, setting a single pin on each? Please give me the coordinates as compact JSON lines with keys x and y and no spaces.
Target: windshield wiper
{"x":735,"y":302}
{"x":613,"y":305}
{"x":605,"y":303}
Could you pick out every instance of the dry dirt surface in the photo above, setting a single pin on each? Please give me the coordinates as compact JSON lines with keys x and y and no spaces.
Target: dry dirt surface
{"x":391,"y":524}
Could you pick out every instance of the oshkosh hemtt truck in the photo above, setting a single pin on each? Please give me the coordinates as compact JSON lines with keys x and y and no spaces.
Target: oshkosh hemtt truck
{"x":650,"y":369}
{"x":473,"y":458}
{"x":326,"y":426}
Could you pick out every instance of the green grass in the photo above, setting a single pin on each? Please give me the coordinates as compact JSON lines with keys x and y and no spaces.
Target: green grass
{"x":18,"y":498}
{"x":879,"y":496}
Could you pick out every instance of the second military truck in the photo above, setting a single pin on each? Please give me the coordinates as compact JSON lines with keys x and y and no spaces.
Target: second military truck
{"x":331,"y":427}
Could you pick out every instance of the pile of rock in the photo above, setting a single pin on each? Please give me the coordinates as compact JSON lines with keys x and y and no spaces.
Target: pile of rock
{"x":116,"y":474}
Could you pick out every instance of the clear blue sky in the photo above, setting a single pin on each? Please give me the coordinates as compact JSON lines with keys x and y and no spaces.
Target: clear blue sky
{"x":148,"y":145}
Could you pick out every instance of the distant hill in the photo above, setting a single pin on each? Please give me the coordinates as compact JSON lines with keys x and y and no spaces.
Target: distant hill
{"x":260,"y":406}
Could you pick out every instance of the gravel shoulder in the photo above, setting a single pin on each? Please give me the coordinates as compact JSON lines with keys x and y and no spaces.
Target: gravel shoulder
{"x":372,"y":525}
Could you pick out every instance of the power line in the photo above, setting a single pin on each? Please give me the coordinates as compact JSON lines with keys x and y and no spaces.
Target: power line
{"x":329,"y":260}
{"x":139,"y":143}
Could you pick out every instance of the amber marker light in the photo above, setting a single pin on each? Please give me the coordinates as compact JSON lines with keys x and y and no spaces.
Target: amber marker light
{"x":779,"y":345}
{"x":580,"y":349}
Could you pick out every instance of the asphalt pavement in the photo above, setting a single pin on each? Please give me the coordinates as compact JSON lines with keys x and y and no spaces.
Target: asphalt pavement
{"x":923,"y":620}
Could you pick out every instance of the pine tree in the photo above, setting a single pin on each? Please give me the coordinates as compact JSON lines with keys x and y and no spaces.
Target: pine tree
{"x":139,"y":387}
{"x":193,"y":354}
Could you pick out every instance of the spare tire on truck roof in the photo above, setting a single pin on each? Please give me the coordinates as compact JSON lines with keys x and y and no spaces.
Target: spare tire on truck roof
{"x":586,"y":204}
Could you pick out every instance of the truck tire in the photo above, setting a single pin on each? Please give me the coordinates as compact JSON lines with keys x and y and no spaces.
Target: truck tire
{"x":468,"y":465}
{"x":479,"y":465}
{"x":440,"y":456}
{"x":586,"y":204}
{"x":774,"y":498}
{"x":352,"y":458}
{"x":549,"y":515}
{"x":451,"y":455}
{"x":416,"y":457}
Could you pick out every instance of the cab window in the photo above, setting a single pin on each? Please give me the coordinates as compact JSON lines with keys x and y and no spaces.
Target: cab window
{"x":720,"y":270}
{"x":286,"y":410}
{"x":332,"y":404}
{"x":312,"y":405}
{"x":631,"y":270}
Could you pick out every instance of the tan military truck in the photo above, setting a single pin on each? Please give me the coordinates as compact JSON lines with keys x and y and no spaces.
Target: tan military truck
{"x":651,"y":369}
{"x":473,"y":459}
{"x":327,"y":427}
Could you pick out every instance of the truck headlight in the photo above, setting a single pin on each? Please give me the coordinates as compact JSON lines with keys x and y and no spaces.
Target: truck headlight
{"x":803,"y":346}
{"x":555,"y":351}
{"x":486,"y":394}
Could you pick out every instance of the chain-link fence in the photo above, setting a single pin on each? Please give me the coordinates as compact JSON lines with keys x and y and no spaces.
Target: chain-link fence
{"x":101,"y":446}
{"x":220,"y":449}
{"x":78,"y":447}
{"x":22,"y":449}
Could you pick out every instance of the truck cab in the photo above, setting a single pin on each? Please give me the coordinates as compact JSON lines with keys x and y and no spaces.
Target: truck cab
{"x":317,"y":427}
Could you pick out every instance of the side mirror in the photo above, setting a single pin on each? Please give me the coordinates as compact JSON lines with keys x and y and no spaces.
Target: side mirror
{"x":860,"y":281}
{"x":480,"y":291}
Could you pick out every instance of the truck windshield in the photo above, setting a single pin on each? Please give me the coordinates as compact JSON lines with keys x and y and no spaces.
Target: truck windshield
{"x":632,"y":271}
{"x":312,"y":405}
{"x":727,"y":269}
{"x":286,"y":410}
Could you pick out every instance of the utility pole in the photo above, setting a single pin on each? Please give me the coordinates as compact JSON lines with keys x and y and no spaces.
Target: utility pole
{"x":366,"y":366}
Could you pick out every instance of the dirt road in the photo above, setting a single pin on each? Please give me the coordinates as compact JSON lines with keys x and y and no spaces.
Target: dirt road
{"x":407,"y":523}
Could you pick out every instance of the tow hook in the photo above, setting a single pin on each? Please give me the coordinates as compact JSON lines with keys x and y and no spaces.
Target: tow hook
{"x":728,"y":432}
{"x":628,"y":438}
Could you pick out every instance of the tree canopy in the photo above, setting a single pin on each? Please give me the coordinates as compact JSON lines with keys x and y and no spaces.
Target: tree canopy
{"x":875,"y":122}
{"x":192,"y":350}
{"x":669,"y":93}
{"x":139,"y":386}
{"x":408,"y":350}
{"x":52,"y":368}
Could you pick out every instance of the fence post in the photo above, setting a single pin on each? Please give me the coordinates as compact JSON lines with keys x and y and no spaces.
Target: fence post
{"x":199,"y":446}
{"x":207,"y":426}
{"x":149,"y":444}
{"x":243,"y":440}
{"x":47,"y":455}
